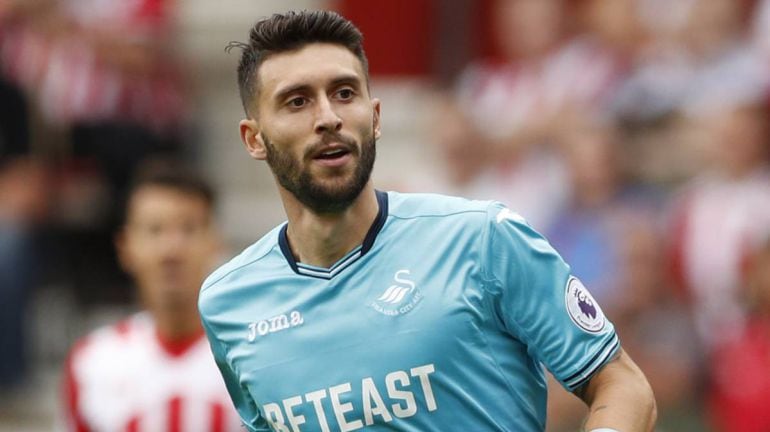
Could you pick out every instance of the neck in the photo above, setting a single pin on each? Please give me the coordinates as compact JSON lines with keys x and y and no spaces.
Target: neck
{"x":178,"y":327}
{"x":322,"y":239}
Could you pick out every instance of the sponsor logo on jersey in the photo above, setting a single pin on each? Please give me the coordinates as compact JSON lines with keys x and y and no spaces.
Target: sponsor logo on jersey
{"x":275,"y":324}
{"x":582,"y":308}
{"x":399,"y":298}
{"x":402,"y":394}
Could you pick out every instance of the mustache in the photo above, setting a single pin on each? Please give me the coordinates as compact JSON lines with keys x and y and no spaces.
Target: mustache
{"x":327,"y":138}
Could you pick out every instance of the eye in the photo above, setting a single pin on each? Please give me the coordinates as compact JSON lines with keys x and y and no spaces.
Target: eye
{"x":345,"y":93}
{"x":148,"y":230}
{"x":153,"y":229}
{"x":297,"y":102}
{"x":191,"y":228}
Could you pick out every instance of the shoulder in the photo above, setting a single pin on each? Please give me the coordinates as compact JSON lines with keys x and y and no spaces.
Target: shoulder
{"x":435,"y":206}
{"x":112,"y":341}
{"x":454,"y":213}
{"x":428,"y":205}
{"x":254,"y":261}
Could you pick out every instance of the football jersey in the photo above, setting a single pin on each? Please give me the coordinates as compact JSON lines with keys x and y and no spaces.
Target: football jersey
{"x":123,"y":378}
{"x":442,"y":319}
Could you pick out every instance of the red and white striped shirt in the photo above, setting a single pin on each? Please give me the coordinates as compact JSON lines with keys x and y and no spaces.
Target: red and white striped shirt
{"x":124,"y":378}
{"x":70,"y":80}
{"x":503,"y":99}
{"x":716,"y":225}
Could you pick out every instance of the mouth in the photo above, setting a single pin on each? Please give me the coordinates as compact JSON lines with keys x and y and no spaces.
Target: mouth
{"x":172,"y":270}
{"x":333,"y":155}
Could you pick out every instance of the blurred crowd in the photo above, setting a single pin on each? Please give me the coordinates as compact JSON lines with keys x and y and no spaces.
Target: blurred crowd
{"x":635,"y":134}
{"x":90,"y":89}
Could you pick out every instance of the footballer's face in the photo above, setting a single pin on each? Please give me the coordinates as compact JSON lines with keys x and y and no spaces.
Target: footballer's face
{"x":168,"y":246}
{"x":315,"y":124}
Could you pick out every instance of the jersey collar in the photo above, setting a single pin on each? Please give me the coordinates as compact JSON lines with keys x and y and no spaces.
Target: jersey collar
{"x":178,"y":347}
{"x":349,"y":258}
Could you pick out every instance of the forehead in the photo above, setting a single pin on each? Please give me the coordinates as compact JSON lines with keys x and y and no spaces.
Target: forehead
{"x":152,"y":201}
{"x":312,"y":64}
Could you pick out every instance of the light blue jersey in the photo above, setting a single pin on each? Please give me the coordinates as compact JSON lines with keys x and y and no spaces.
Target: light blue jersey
{"x":442,"y":320}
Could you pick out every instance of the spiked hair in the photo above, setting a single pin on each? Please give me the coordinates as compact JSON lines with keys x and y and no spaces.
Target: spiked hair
{"x":287,"y":32}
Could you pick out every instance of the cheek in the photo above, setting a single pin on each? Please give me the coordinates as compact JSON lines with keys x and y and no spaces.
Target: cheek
{"x":197,"y":261}
{"x":287,"y":145}
{"x":199,"y":254}
{"x":138,"y":257}
{"x":147,"y":267}
{"x":288,"y":129}
{"x":361,"y":114}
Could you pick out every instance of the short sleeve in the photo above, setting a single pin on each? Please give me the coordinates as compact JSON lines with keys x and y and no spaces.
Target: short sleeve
{"x":73,"y":419}
{"x":246,"y":407}
{"x":538,"y":301}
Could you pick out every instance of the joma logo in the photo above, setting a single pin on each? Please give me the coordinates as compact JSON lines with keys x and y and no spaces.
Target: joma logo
{"x":274,"y":324}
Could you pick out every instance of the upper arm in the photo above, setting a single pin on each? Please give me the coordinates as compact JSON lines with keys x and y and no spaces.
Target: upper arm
{"x":539,"y":302}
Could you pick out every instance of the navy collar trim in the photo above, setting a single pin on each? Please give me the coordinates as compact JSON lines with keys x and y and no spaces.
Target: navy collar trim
{"x":349,"y":258}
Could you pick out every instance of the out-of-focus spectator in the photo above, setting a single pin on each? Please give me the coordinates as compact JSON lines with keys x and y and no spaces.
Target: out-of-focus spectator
{"x":762,"y":28}
{"x":543,"y":74}
{"x":721,"y":214}
{"x":106,"y":81}
{"x":462,"y":158}
{"x":117,"y":82}
{"x":91,"y":61}
{"x":154,"y":370}
{"x":654,"y":325}
{"x":104,"y":69}
{"x":615,"y":31}
{"x":657,"y":327}
{"x":602,"y":195}
{"x":740,"y":383}
{"x":695,"y":51}
{"x":128,"y":101}
{"x":14,"y":125}
{"x":516,"y":105}
{"x":471,"y":165}
{"x":23,"y":197}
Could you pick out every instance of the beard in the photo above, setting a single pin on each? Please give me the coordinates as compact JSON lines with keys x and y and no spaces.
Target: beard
{"x":322,"y":197}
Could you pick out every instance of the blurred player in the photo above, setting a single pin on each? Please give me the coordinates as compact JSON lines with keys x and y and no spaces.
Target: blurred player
{"x":154,"y":370}
{"x":390,"y":311}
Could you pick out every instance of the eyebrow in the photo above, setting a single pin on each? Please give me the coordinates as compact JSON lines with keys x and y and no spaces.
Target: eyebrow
{"x":299,"y":88}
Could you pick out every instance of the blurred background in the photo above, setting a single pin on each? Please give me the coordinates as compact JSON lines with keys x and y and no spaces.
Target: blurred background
{"x":635,"y":134}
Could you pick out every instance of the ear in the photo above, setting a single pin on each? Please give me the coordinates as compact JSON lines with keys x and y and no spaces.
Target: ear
{"x":376,"y":117}
{"x":217,"y":245}
{"x":121,"y":247}
{"x":252,"y":139}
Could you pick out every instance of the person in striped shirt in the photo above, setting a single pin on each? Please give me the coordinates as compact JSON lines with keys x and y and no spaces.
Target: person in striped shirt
{"x":153,"y":371}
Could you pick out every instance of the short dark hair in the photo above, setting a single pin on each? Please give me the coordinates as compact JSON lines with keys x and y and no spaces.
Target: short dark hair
{"x":170,"y":174}
{"x":291,"y":31}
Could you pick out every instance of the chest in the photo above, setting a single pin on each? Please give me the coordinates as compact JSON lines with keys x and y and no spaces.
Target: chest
{"x":138,"y":388}
{"x":365,"y":346}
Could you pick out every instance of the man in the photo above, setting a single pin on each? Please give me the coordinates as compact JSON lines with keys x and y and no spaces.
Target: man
{"x":385,"y":311}
{"x":154,"y":371}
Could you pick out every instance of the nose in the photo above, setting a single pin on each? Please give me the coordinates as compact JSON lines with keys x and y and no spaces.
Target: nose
{"x":174,"y":242}
{"x":327,"y":119}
